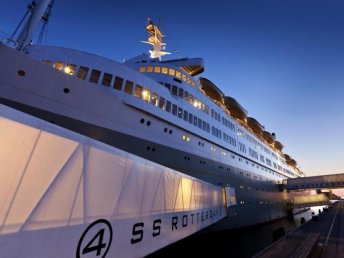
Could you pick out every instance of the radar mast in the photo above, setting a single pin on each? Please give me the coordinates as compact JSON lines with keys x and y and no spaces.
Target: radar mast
{"x":155,"y":39}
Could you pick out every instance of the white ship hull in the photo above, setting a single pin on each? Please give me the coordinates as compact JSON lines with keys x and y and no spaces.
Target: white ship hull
{"x":117,"y":121}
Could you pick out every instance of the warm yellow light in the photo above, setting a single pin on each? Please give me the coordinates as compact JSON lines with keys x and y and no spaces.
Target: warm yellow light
{"x":146,"y":95}
{"x":67,"y":70}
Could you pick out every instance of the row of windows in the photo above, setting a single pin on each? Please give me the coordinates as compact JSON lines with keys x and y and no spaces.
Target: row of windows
{"x":253,"y":153}
{"x":116,"y":82}
{"x":215,"y":115}
{"x":167,"y":71}
{"x":183,"y":94}
{"x":228,"y":124}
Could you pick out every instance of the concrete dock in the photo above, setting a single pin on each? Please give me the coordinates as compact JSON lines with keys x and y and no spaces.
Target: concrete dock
{"x":323,"y":236}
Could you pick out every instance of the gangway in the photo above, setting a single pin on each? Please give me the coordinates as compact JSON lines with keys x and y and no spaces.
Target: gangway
{"x":315,"y":182}
{"x":66,"y":195}
{"x":307,"y":201}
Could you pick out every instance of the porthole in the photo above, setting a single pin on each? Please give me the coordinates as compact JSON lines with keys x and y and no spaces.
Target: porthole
{"x":21,"y":72}
{"x":148,"y":123}
{"x":142,"y":121}
{"x":170,"y":131}
{"x":66,"y":90}
{"x":148,"y":148}
{"x":165,"y":130}
{"x":153,"y":149}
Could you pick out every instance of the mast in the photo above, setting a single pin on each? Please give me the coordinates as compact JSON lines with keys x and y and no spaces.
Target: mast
{"x":39,"y":11}
{"x":155,"y":39}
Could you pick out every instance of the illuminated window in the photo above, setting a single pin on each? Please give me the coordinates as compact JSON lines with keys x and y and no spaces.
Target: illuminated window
{"x":154,"y":99}
{"x":117,"y":84}
{"x":138,"y":91}
{"x":193,"y":83}
{"x":223,"y":153}
{"x":82,"y":73}
{"x":212,"y":148}
{"x":95,"y":75}
{"x":184,"y":77}
{"x":146,"y":95}
{"x":171,"y":72}
{"x":128,"y":88}
{"x":142,"y":69}
{"x":107,"y":78}
{"x":58,"y":65}
{"x":162,"y":103}
{"x":69,"y":69}
{"x":150,"y":69}
{"x":178,"y":74}
{"x":164,"y":70}
{"x":188,"y":80}
{"x":157,"y":69}
{"x":186,"y":138}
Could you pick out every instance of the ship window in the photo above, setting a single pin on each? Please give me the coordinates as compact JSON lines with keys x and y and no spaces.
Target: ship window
{"x":162,"y":103}
{"x":95,"y":75}
{"x":58,"y":65}
{"x":164,"y":70}
{"x":180,"y":112}
{"x":186,"y":115}
{"x":180,"y":92}
{"x":208,"y":128}
{"x":193,"y":83}
{"x":186,"y":96}
{"x":154,"y":99}
{"x":107,"y":78}
{"x":138,"y":91}
{"x":174,"y":90}
{"x":199,"y":123}
{"x":190,"y":118}
{"x":174,"y":109}
{"x":146,"y":95}
{"x":117,"y":84}
{"x":204,"y":126}
{"x":82,"y":73}
{"x":195,"y":121}
{"x":168,"y":106}
{"x":150,"y":69}
{"x":168,"y":86}
{"x":157,"y":69}
{"x":128,"y":88}
{"x":142,"y":69}
{"x":178,"y":74}
{"x":171,"y":72}
{"x":188,"y":80}
{"x":183,"y":77}
{"x":69,"y":69}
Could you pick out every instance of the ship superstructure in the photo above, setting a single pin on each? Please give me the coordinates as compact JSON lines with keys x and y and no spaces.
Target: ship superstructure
{"x":158,"y":109}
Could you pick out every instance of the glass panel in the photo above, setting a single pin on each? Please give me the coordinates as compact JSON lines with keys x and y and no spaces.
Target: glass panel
{"x":168,"y":86}
{"x":162,"y":103}
{"x":164,"y":70}
{"x":186,"y":115}
{"x":174,"y":109}
{"x":168,"y":106}
{"x":174,"y":90}
{"x":107,"y":78}
{"x":142,"y":69}
{"x":180,"y":112}
{"x":178,"y":74}
{"x":171,"y":72}
{"x":117,"y":84}
{"x":184,"y":77}
{"x":180,"y":93}
{"x":58,"y":65}
{"x":138,"y":91}
{"x":128,"y":87}
{"x":82,"y":73}
{"x":157,"y":69}
{"x":146,"y":95}
{"x":69,"y":69}
{"x":154,"y":99}
{"x":95,"y":75}
{"x":150,"y":69}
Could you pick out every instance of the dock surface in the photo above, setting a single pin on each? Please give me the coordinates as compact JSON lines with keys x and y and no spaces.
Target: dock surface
{"x":323,"y":236}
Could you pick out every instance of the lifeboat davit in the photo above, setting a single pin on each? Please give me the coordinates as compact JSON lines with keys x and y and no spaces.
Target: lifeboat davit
{"x":268,"y":137}
{"x":256,"y":127}
{"x":235,"y":108}
{"x":211,"y":90}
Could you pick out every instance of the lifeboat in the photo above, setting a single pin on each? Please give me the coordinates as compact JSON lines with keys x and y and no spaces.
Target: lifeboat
{"x":268,"y":137}
{"x":235,"y":108}
{"x":279,"y":146}
{"x":293,"y":163}
{"x":287,"y":157}
{"x":256,"y":127}
{"x":211,"y":90}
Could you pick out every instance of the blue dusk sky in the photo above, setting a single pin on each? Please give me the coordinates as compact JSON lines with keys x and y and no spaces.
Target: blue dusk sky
{"x":282,"y":60}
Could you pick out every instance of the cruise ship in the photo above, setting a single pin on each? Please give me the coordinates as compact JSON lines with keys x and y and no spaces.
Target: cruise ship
{"x":155,"y":107}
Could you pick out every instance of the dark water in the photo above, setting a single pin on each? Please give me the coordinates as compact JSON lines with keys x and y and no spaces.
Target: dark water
{"x":244,"y":242}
